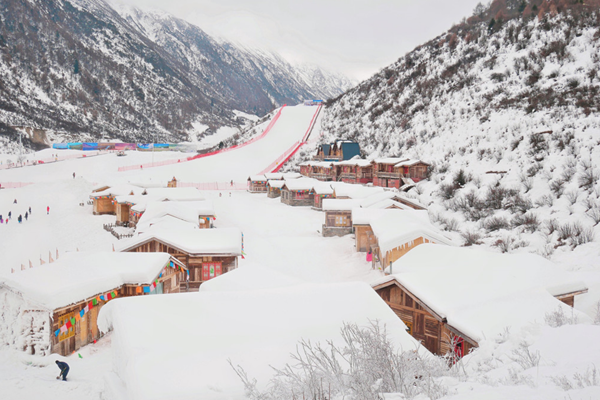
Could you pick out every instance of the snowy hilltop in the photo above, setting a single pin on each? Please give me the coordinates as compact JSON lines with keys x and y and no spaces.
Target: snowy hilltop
{"x":506,"y":107}
{"x":82,"y":70}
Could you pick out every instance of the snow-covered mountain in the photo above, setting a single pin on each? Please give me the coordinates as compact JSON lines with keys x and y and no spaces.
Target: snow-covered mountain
{"x":506,"y":106}
{"x":85,"y":69}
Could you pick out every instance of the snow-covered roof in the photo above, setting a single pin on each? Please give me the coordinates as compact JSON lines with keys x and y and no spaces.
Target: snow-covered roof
{"x":257,"y":178}
{"x":355,"y":191}
{"x":323,"y":188}
{"x":301,"y":184}
{"x":254,"y":328}
{"x":77,"y":276}
{"x":409,"y":163}
{"x":340,"y":204}
{"x":276,"y":183}
{"x":480,"y":292}
{"x":397,"y":228}
{"x":184,"y":210}
{"x":389,"y":160}
{"x":202,"y":241}
{"x":356,"y":161}
{"x":274,"y":175}
{"x":165,"y":222}
{"x":118,"y":190}
{"x":176,"y":194}
{"x":148,"y":183}
{"x":292,"y":175}
{"x":364,"y":216}
{"x":250,"y":277}
{"x":389,"y":203}
{"x":376,"y":198}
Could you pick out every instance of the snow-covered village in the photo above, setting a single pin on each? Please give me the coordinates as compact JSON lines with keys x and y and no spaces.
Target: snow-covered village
{"x":186,"y":216}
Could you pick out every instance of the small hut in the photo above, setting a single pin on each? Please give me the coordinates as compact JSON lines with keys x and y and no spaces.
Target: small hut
{"x":274,"y":188}
{"x":321,"y":191}
{"x":338,"y":216}
{"x":257,"y":184}
{"x":451,"y":298}
{"x":298,"y":192}
{"x":172,"y":183}
{"x":206,"y":253}
{"x":54,"y":308}
{"x":415,"y":170}
{"x":104,"y":197}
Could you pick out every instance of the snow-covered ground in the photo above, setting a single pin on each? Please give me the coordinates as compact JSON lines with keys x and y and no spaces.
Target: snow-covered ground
{"x":277,"y":237}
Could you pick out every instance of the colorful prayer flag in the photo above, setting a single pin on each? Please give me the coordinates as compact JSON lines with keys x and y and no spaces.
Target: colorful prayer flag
{"x":146,"y":289}
{"x":138,"y":289}
{"x":90,"y":305}
{"x":77,"y":317}
{"x":73,"y":321}
{"x":95,"y":302}
{"x":102,"y":298}
{"x":114,"y":294}
{"x":63,"y":328}
{"x":82,"y":313}
{"x":69,"y":324}
{"x":56,"y":332}
{"x":86,"y":309}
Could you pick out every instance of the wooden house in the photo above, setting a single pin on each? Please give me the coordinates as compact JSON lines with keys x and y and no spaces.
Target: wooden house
{"x":355,"y":171}
{"x":323,"y":171}
{"x":321,"y":191}
{"x":343,"y":190}
{"x":257,"y":184}
{"x":385,"y":173}
{"x":54,"y":308}
{"x":415,"y":170}
{"x":298,"y":192}
{"x":201,"y":214}
{"x":274,"y":188}
{"x":306,"y":168}
{"x":451,"y":298}
{"x":278,"y":176}
{"x":338,"y":151}
{"x":206,"y":253}
{"x":104,"y":197}
{"x":397,"y":232}
{"x":172,"y":183}
{"x":338,"y":216}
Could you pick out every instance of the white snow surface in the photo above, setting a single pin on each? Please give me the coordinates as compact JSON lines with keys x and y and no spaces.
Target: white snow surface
{"x":254,"y":328}
{"x":77,"y":276}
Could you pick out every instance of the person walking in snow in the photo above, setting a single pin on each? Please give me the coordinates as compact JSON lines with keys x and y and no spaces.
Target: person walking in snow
{"x":48,"y":210}
{"x":1,"y":220}
{"x":9,"y":215}
{"x":15,"y":202}
{"x":64,"y":370}
{"x":73,"y":175}
{"x":29,"y":210}
{"x":20,"y":218}
{"x":26,"y":215}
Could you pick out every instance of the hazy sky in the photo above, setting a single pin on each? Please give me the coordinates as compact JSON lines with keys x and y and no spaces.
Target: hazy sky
{"x":355,"y":37}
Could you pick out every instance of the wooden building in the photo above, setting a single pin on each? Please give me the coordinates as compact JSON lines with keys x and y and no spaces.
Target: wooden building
{"x":337,"y":151}
{"x":104,"y":197}
{"x":201,"y":214}
{"x":338,"y":216}
{"x":274,"y":188}
{"x":298,"y":192}
{"x":257,"y":184}
{"x":395,"y":172}
{"x":206,"y":253}
{"x":415,"y":170}
{"x":321,"y":191}
{"x":355,"y":171}
{"x":55,"y":307}
{"x":451,"y":298}
{"x":323,"y":171}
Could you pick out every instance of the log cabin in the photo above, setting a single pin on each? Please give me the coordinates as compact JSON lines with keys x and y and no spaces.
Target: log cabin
{"x":104,"y":197}
{"x":452,"y":298}
{"x":199,"y":213}
{"x":306,"y":168}
{"x":274,"y":188}
{"x":298,"y":192}
{"x":323,"y":171}
{"x":338,"y":151}
{"x":321,"y":191}
{"x":385,"y":173}
{"x":416,"y":170}
{"x":338,"y":216}
{"x":257,"y":184}
{"x":206,"y":253}
{"x":397,"y":232}
{"x":54,"y":308}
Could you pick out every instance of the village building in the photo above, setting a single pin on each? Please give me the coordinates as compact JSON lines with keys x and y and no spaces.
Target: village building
{"x":323,"y":171}
{"x":452,"y":298}
{"x":103,"y":197}
{"x":392,"y":199}
{"x":201,"y":214}
{"x":54,"y":308}
{"x":274,"y":176}
{"x":206,"y":253}
{"x":395,"y":172}
{"x":306,"y":168}
{"x":414,"y":170}
{"x":257,"y":184}
{"x":321,"y":191}
{"x":338,"y":216}
{"x":274,"y":188}
{"x":233,"y":318}
{"x":397,"y":232}
{"x":350,"y":191}
{"x":355,"y":171}
{"x":338,"y":151}
{"x":298,"y":192}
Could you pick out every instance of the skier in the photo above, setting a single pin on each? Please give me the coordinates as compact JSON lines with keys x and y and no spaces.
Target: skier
{"x":9,"y":215}
{"x":48,"y":210}
{"x":1,"y":220}
{"x":15,"y":202}
{"x":73,"y":175}
{"x":29,"y":210}
{"x":20,"y":218}
{"x":26,"y":215}
{"x":232,"y":182}
{"x":64,"y":370}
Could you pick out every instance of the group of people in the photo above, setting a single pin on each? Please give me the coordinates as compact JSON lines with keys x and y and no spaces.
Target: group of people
{"x":20,"y":217}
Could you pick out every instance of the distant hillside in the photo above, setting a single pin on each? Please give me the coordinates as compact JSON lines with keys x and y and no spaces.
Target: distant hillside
{"x":82,"y":70}
{"x":506,"y":105}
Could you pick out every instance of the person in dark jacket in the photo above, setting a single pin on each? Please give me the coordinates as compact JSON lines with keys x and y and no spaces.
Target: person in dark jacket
{"x":64,"y":370}
{"x":20,"y":218}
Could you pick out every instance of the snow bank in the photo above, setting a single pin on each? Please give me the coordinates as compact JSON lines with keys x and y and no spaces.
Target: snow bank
{"x":186,"y":335}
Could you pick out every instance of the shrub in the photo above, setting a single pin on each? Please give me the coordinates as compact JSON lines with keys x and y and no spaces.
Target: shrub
{"x":572,"y":197}
{"x":594,"y":214}
{"x":558,"y":318}
{"x":447,"y":190}
{"x":461,"y":178}
{"x":471,"y":238}
{"x":588,"y":176}
{"x":508,"y":243}
{"x":557,"y":187}
{"x":526,"y":359}
{"x":495,"y":223}
{"x":545,"y":200}
{"x":527,"y":182}
{"x":528,"y":221}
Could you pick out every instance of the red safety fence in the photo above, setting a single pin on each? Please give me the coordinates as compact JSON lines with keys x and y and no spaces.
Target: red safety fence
{"x":312,"y":124}
{"x":214,"y":185}
{"x":14,"y":185}
{"x":184,"y":159}
{"x":48,"y":160}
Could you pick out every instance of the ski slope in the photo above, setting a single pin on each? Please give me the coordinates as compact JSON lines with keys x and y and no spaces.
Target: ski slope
{"x":236,"y":164}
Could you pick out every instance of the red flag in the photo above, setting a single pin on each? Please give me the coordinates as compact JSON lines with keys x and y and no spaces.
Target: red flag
{"x":69,"y":325}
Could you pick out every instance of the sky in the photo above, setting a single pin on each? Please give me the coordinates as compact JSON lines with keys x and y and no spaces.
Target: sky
{"x":354,"y":37}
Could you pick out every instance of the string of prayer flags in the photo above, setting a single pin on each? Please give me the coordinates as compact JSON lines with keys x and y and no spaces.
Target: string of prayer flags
{"x":77,"y":317}
{"x":82,"y":313}
{"x":56,"y":332}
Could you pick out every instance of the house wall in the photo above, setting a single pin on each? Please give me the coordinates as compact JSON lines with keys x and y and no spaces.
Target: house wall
{"x":123,"y":213}
{"x":103,"y":205}
{"x":292,"y":198}
{"x":273,"y":192}
{"x":362,"y":233}
{"x":423,"y":326}
{"x":258,"y":187}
